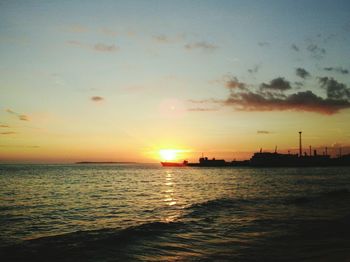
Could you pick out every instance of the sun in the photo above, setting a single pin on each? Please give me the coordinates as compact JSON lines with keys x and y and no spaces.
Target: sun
{"x":168,"y":154}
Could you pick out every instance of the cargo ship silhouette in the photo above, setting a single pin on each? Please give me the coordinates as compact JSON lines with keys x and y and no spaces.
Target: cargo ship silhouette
{"x":175,"y":164}
{"x":273,"y":159}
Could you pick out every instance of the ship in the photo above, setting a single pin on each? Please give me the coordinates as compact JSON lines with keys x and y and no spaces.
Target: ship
{"x":174,"y":164}
{"x":206,"y":162}
{"x":203,"y":162}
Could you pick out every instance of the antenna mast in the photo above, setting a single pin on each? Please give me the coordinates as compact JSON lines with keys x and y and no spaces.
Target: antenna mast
{"x":300,"y":146}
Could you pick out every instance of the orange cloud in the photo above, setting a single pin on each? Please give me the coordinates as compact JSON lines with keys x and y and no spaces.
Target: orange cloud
{"x":19,"y":116}
{"x":8,"y":133}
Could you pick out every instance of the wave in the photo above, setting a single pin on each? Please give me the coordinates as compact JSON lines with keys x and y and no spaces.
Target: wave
{"x":81,"y":245}
{"x":230,"y":205}
{"x":214,"y":203}
{"x":337,"y":195}
{"x":341,"y":196}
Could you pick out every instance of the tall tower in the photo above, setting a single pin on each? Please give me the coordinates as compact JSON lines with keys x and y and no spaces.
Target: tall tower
{"x":300,"y":146}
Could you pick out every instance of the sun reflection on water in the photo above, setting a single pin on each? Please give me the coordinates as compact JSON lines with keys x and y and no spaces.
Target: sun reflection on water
{"x":169,"y":191}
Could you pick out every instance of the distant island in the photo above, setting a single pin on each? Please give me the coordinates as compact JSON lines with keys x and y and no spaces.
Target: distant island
{"x":108,"y":162}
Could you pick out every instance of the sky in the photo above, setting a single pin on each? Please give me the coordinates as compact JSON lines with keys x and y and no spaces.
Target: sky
{"x":121,"y":80}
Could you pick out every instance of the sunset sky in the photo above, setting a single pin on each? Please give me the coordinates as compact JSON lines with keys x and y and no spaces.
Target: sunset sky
{"x":121,"y":80}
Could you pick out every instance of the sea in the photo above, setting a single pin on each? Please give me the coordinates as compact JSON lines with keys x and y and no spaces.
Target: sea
{"x":145,"y":212}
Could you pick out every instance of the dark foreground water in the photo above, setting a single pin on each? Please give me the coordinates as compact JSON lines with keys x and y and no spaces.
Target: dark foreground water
{"x":150,"y":213}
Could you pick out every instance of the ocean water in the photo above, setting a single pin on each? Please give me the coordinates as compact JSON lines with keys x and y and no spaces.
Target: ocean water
{"x":151,"y":213}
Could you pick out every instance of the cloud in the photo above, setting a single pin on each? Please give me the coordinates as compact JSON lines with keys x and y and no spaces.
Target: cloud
{"x":334,"y":89}
{"x":300,"y":101}
{"x":263,"y":44}
{"x":99,"y":47}
{"x":19,"y":146}
{"x":265,"y":100}
{"x":301,"y":72}
{"x":316,"y":51}
{"x":204,"y":101}
{"x":165,"y":39}
{"x":329,"y":37}
{"x":295,"y":47}
{"x":76,"y":43}
{"x":97,"y":98}
{"x":339,"y":70}
{"x":263,"y":132}
{"x":201,"y":45}
{"x":298,"y":85}
{"x":202,"y":109}
{"x":277,"y":84}
{"x":279,"y":95}
{"x":23,"y":117}
{"x":77,"y":28}
{"x":19,"y":116}
{"x":10,"y":111}
{"x":105,"y":48}
{"x":272,"y":97}
{"x":4,"y":126}
{"x":233,"y":83}
{"x":8,"y":133}
{"x":254,"y":70}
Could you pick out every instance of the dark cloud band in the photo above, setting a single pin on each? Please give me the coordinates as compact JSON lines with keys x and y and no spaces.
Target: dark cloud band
{"x":279,"y":95}
{"x":97,"y":98}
